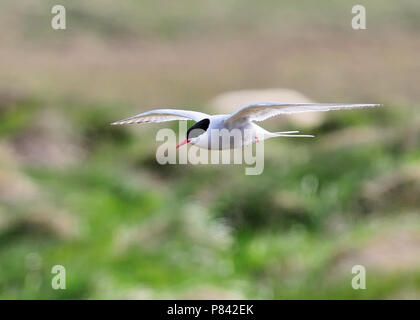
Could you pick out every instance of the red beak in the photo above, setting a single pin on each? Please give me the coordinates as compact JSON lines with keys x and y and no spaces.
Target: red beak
{"x":182,"y":143}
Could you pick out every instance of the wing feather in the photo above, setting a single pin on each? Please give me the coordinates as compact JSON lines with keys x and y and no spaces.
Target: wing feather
{"x":163,"y":115}
{"x":265,"y":110}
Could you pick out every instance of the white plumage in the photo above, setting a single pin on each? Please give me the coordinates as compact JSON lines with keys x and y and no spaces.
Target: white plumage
{"x":163,"y":115}
{"x":242,"y":119}
{"x":265,"y":110}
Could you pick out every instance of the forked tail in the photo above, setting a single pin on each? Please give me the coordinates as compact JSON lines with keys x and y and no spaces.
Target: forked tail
{"x":289,"y":134}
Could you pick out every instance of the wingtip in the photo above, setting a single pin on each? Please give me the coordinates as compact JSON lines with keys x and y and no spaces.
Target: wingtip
{"x":118,"y":123}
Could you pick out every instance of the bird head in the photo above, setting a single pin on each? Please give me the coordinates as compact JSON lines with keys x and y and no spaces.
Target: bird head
{"x":194,"y":133}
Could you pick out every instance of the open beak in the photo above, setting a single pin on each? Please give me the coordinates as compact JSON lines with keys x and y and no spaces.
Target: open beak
{"x":182,"y":143}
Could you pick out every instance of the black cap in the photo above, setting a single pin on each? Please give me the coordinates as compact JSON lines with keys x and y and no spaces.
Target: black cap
{"x":198,"y":129}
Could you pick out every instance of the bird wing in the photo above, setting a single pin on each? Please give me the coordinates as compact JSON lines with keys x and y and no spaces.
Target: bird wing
{"x":163,"y":115}
{"x":265,"y":110}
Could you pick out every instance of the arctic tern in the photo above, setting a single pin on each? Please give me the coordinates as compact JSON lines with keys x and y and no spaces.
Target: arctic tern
{"x":210,"y":131}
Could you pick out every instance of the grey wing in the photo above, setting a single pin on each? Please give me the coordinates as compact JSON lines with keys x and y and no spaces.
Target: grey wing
{"x":265,"y":110}
{"x":163,"y":115}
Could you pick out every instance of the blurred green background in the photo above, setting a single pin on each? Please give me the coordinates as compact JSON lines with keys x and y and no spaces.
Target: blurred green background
{"x":78,"y":192}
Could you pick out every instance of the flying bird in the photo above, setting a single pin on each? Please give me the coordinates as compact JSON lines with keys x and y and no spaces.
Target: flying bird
{"x":208,"y":131}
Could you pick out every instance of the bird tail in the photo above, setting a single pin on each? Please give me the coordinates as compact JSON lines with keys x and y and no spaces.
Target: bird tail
{"x":289,"y":134}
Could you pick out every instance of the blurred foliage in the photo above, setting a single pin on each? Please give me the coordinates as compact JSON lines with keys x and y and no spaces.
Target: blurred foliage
{"x":78,"y":192}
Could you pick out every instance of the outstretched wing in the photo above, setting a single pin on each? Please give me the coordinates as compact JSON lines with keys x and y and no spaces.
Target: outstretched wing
{"x":265,"y":110}
{"x":163,"y":115}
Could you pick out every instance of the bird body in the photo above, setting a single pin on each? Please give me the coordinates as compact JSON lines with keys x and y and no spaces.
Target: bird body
{"x":220,"y":135}
{"x":228,"y":131}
